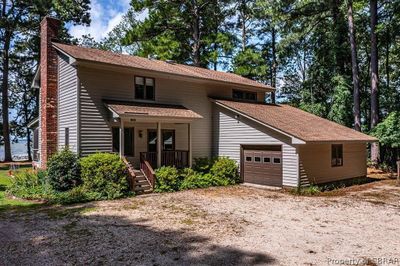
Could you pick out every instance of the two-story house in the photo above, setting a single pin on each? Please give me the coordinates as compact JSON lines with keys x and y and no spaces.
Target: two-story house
{"x":156,"y":113}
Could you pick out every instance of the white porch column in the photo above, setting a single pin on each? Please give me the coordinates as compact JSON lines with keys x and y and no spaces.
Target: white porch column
{"x":190,"y":143}
{"x":121,"y":139}
{"x":159,"y":140}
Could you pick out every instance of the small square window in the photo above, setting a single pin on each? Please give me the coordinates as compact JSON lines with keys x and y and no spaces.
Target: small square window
{"x":277,"y":160}
{"x":144,"y":88}
{"x":248,"y":159}
{"x":267,"y":159}
{"x":257,"y":159}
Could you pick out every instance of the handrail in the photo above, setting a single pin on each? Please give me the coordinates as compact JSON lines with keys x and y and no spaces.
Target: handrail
{"x":148,"y":171}
{"x":131,"y":172}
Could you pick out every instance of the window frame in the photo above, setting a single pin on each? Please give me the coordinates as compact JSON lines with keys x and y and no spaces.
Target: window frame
{"x":66,"y":137}
{"x":278,"y":158}
{"x":244,"y":93}
{"x":144,"y":88}
{"x":266,"y":157}
{"x":336,"y":155}
{"x":251,"y":158}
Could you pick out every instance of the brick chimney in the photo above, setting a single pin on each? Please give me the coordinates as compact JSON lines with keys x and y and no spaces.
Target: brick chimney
{"x":48,"y":89}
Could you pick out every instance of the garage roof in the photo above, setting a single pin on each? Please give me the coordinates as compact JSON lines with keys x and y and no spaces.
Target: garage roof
{"x":295,"y":122}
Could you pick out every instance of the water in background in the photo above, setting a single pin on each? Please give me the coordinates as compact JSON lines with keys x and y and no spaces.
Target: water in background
{"x":18,"y":151}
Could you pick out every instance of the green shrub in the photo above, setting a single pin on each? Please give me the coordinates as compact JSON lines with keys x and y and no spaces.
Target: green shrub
{"x":75,"y":195}
{"x":203,"y":164}
{"x":168,"y":179}
{"x":63,"y":170}
{"x":225,"y":168}
{"x":311,"y":190}
{"x":192,"y":179}
{"x":199,"y":180}
{"x":104,"y":175}
{"x":30,"y":184}
{"x":205,"y":173}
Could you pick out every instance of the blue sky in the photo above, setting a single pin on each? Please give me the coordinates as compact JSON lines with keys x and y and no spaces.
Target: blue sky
{"x":105,"y":15}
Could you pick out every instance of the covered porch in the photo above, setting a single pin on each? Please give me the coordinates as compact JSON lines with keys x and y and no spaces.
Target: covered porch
{"x":150,"y":135}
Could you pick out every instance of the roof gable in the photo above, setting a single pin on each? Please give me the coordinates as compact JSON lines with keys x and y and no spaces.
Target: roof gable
{"x":107,"y":57}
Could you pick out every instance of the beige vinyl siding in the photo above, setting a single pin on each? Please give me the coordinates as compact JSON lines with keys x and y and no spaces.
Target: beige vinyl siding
{"x":316,"y":162}
{"x":230,"y":133}
{"x":67,"y":103}
{"x":98,"y":84}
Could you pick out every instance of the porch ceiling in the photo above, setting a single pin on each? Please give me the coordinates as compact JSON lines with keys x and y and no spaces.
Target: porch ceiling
{"x":125,"y":109}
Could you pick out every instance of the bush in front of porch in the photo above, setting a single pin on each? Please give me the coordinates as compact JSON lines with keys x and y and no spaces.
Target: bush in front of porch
{"x":205,"y":173}
{"x":95,"y":177}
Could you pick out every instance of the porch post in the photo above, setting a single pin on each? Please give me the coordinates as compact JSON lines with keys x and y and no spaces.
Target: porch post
{"x":121,"y":139}
{"x":190,"y":144}
{"x":159,"y":139}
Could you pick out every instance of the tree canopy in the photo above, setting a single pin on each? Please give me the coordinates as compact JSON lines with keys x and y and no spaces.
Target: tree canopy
{"x":337,"y":59}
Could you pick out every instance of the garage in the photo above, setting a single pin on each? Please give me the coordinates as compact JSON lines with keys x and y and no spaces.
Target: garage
{"x":262,"y":165}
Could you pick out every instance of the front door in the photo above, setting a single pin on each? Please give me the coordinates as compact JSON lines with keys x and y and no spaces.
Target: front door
{"x":128,"y":140}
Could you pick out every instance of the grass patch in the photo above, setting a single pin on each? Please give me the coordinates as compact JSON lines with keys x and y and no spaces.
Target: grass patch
{"x":7,"y":203}
{"x":134,"y":205}
{"x":187,"y":221}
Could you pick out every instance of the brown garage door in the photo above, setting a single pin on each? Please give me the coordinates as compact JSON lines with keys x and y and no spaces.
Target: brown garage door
{"x":262,"y":165}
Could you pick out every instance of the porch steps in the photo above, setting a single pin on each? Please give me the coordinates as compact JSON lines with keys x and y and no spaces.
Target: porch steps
{"x":141,"y":185}
{"x":138,"y":182}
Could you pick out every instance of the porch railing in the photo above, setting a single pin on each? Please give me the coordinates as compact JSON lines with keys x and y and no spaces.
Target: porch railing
{"x":177,"y":158}
{"x":147,"y":170}
{"x":131,"y":173}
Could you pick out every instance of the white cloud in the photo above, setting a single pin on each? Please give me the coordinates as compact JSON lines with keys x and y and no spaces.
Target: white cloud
{"x":104,"y":17}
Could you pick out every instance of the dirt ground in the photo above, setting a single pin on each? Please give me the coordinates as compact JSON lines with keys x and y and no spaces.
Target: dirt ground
{"x":219,"y":226}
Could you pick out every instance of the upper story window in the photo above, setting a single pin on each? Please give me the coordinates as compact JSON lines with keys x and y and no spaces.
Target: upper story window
{"x":144,"y":88}
{"x":244,"y":95}
{"x":337,"y":155}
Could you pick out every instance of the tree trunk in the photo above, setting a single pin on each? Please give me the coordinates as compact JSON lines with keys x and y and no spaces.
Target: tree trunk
{"x":274,"y":64}
{"x":387,"y":59}
{"x":244,"y":33}
{"x":4,"y":94}
{"x":354,"y":63}
{"x":338,"y":22}
{"x":196,"y":36}
{"x":374,"y":79}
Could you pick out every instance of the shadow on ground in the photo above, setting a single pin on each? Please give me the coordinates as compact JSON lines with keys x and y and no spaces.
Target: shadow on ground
{"x":71,"y":235}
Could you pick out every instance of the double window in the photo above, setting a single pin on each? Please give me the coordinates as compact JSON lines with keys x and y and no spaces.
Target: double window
{"x":144,"y":88}
{"x":168,"y":140}
{"x":337,"y":155}
{"x":244,"y":95}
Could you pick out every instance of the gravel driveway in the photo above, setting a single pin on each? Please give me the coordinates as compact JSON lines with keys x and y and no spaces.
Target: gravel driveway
{"x":219,"y":226}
